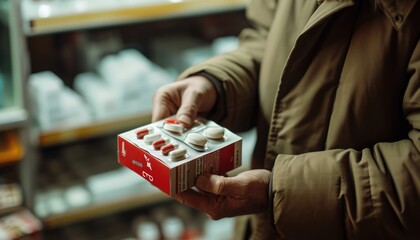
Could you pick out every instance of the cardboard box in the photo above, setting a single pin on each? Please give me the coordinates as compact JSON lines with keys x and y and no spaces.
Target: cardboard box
{"x":174,"y":176}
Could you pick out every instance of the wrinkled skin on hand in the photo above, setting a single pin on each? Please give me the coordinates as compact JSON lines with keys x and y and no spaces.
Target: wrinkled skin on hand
{"x":184,"y":98}
{"x":220,"y":197}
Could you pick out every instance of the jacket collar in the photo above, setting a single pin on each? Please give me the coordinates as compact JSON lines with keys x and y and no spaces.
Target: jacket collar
{"x":325,"y":9}
{"x":397,"y":11}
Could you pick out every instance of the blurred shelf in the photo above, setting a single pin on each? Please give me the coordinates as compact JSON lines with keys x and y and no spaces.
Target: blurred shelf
{"x":101,"y":209}
{"x":4,"y":14}
{"x":100,"y":128}
{"x":11,"y":198}
{"x":84,"y":181}
{"x":12,"y":118}
{"x":43,"y":17}
{"x":11,"y":149}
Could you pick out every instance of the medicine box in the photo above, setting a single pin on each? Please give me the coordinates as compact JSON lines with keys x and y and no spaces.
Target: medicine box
{"x":175,"y":171}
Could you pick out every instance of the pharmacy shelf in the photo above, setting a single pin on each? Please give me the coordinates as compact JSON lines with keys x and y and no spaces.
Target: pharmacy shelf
{"x":95,"y":129}
{"x":11,"y":150}
{"x":43,"y":17}
{"x":101,"y":209}
{"x":12,"y":118}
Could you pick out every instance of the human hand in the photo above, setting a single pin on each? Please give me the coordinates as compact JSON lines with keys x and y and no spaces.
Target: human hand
{"x":219,"y":197}
{"x":184,"y":98}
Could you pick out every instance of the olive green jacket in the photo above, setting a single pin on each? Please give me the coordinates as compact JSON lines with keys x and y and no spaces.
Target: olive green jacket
{"x":334,"y":91}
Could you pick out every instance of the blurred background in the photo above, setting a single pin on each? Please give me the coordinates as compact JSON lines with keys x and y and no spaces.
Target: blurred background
{"x":73,"y":75}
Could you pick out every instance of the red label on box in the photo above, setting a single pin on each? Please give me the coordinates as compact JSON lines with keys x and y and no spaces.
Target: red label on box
{"x":144,"y":164}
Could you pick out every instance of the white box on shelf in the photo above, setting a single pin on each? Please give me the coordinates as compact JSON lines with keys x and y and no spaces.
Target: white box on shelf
{"x":55,"y":105}
{"x":102,"y":99}
{"x":127,"y":73}
{"x":134,"y":77}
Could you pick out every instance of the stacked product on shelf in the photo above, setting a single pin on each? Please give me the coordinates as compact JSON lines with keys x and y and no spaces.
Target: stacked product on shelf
{"x":16,"y":220}
{"x":112,"y":185}
{"x":10,"y":197}
{"x":67,"y":186}
{"x":169,"y":221}
{"x":55,"y":105}
{"x":21,"y":224}
{"x":102,"y":99}
{"x":123,"y":84}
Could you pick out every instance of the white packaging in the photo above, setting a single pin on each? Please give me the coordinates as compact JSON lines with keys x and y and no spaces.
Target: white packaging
{"x":55,"y":105}
{"x":172,"y":228}
{"x":44,"y":93}
{"x":103,"y":101}
{"x":116,"y":184}
{"x":146,"y":229}
{"x":77,"y":196}
{"x":73,"y":108}
{"x":127,"y":72}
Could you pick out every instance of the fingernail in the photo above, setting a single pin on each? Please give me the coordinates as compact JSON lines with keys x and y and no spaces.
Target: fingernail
{"x":185,"y":120}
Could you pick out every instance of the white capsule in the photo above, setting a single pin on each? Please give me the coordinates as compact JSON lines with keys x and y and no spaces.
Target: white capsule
{"x":196,"y":139}
{"x":215,"y":133}
{"x":178,"y":153}
{"x":178,"y":128}
{"x":149,"y":138}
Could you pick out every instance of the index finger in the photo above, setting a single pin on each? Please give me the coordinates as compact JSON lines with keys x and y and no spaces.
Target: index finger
{"x":164,"y":103}
{"x":190,"y":104}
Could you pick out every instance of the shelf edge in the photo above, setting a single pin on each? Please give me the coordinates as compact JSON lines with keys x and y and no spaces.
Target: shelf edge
{"x":127,"y":15}
{"x":12,"y":118}
{"x":101,"y":209}
{"x":61,"y":136}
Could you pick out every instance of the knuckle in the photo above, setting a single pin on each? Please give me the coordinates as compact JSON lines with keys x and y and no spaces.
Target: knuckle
{"x":189,"y":109}
{"x":218,"y":209}
{"x":220,"y":185}
{"x":160,"y":93}
{"x":196,"y":94}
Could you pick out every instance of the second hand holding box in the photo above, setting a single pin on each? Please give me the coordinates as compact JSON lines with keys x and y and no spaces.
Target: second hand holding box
{"x":170,"y":156}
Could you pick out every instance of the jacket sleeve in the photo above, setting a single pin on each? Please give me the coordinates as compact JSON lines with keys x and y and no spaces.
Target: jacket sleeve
{"x":238,"y":70}
{"x":369,"y":194}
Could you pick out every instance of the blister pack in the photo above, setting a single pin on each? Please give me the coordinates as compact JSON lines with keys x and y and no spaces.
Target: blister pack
{"x":171,"y":156}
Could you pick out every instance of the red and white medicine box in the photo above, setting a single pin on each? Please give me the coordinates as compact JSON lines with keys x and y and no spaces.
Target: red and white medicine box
{"x":170,"y":156}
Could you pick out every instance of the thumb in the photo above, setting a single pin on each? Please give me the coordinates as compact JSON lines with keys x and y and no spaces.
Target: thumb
{"x":216,"y":184}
